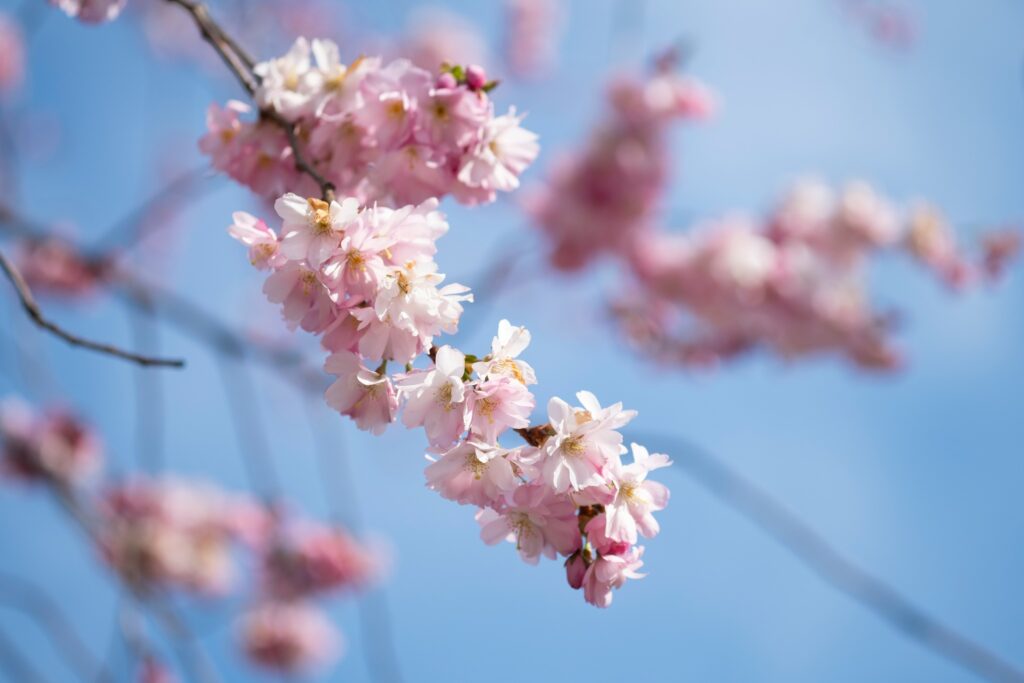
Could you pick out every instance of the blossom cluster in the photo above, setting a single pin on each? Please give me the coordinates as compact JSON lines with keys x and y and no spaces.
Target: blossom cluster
{"x":365,"y":279}
{"x":379,"y":132}
{"x":176,"y":534}
{"x":91,"y":11}
{"x":54,"y":446}
{"x":595,"y":202}
{"x":794,"y":282}
{"x":168,"y":534}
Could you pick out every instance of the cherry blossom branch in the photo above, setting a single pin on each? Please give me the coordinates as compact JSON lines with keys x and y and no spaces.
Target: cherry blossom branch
{"x":28,"y":303}
{"x":23,"y":596}
{"x":241,"y":64}
{"x":821,"y":557}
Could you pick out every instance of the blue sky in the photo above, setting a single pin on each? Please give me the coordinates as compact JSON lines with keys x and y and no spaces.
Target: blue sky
{"x":916,"y":476}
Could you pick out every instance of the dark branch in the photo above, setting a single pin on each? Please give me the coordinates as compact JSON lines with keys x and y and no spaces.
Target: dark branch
{"x":28,"y":302}
{"x":241,"y":64}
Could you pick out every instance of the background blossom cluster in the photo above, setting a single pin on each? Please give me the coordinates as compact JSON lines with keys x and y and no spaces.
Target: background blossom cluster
{"x":793,"y":282}
{"x":170,"y":534}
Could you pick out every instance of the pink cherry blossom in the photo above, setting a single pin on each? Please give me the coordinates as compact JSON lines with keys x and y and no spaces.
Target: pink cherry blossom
{"x":264,"y":248}
{"x":636,"y":498}
{"x":313,"y":229}
{"x":537,"y":520}
{"x":305,"y":300}
{"x":366,"y":396}
{"x":501,"y":155}
{"x":503,"y":361}
{"x":584,"y":441}
{"x":436,"y":398}
{"x":473,"y":473}
{"x":499,"y":404}
{"x":609,"y":572}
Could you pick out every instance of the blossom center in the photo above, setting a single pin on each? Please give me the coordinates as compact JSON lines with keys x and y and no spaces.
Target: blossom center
{"x":474,"y":465}
{"x":444,"y":395}
{"x":509,"y":366}
{"x":573,"y":446}
{"x":355,"y":260}
{"x":321,"y":214}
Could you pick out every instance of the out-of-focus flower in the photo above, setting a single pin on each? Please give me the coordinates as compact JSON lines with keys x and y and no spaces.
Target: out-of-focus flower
{"x":91,"y":11}
{"x":598,"y":200}
{"x":307,"y":559}
{"x":175,"y":534}
{"x":434,"y":36}
{"x":793,"y":283}
{"x":12,"y":55}
{"x":532,"y":31}
{"x":55,"y":445}
{"x":289,"y":637}
{"x":56,"y":267}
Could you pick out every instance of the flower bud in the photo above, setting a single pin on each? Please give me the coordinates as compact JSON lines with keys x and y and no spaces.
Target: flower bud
{"x":476,"y":77}
{"x":575,"y":568}
{"x":446,"y":81}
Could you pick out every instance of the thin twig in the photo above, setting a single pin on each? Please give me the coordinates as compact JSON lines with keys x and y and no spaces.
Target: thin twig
{"x":149,"y":394}
{"x":16,"y":664}
{"x":129,"y":230}
{"x":215,"y":36}
{"x":335,"y":473}
{"x":241,"y":64}
{"x":28,"y":302}
{"x":25,"y":597}
{"x":818,"y":555}
{"x":253,"y":444}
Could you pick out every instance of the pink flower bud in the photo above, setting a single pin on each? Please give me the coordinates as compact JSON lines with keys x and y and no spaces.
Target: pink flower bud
{"x":476,"y":77}
{"x":575,"y":569}
{"x":446,"y":81}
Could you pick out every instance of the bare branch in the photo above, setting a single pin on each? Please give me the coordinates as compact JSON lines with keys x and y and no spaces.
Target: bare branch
{"x":28,"y":302}
{"x":818,"y":555}
{"x":25,"y":597}
{"x":241,"y":64}
{"x":224,"y":46}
